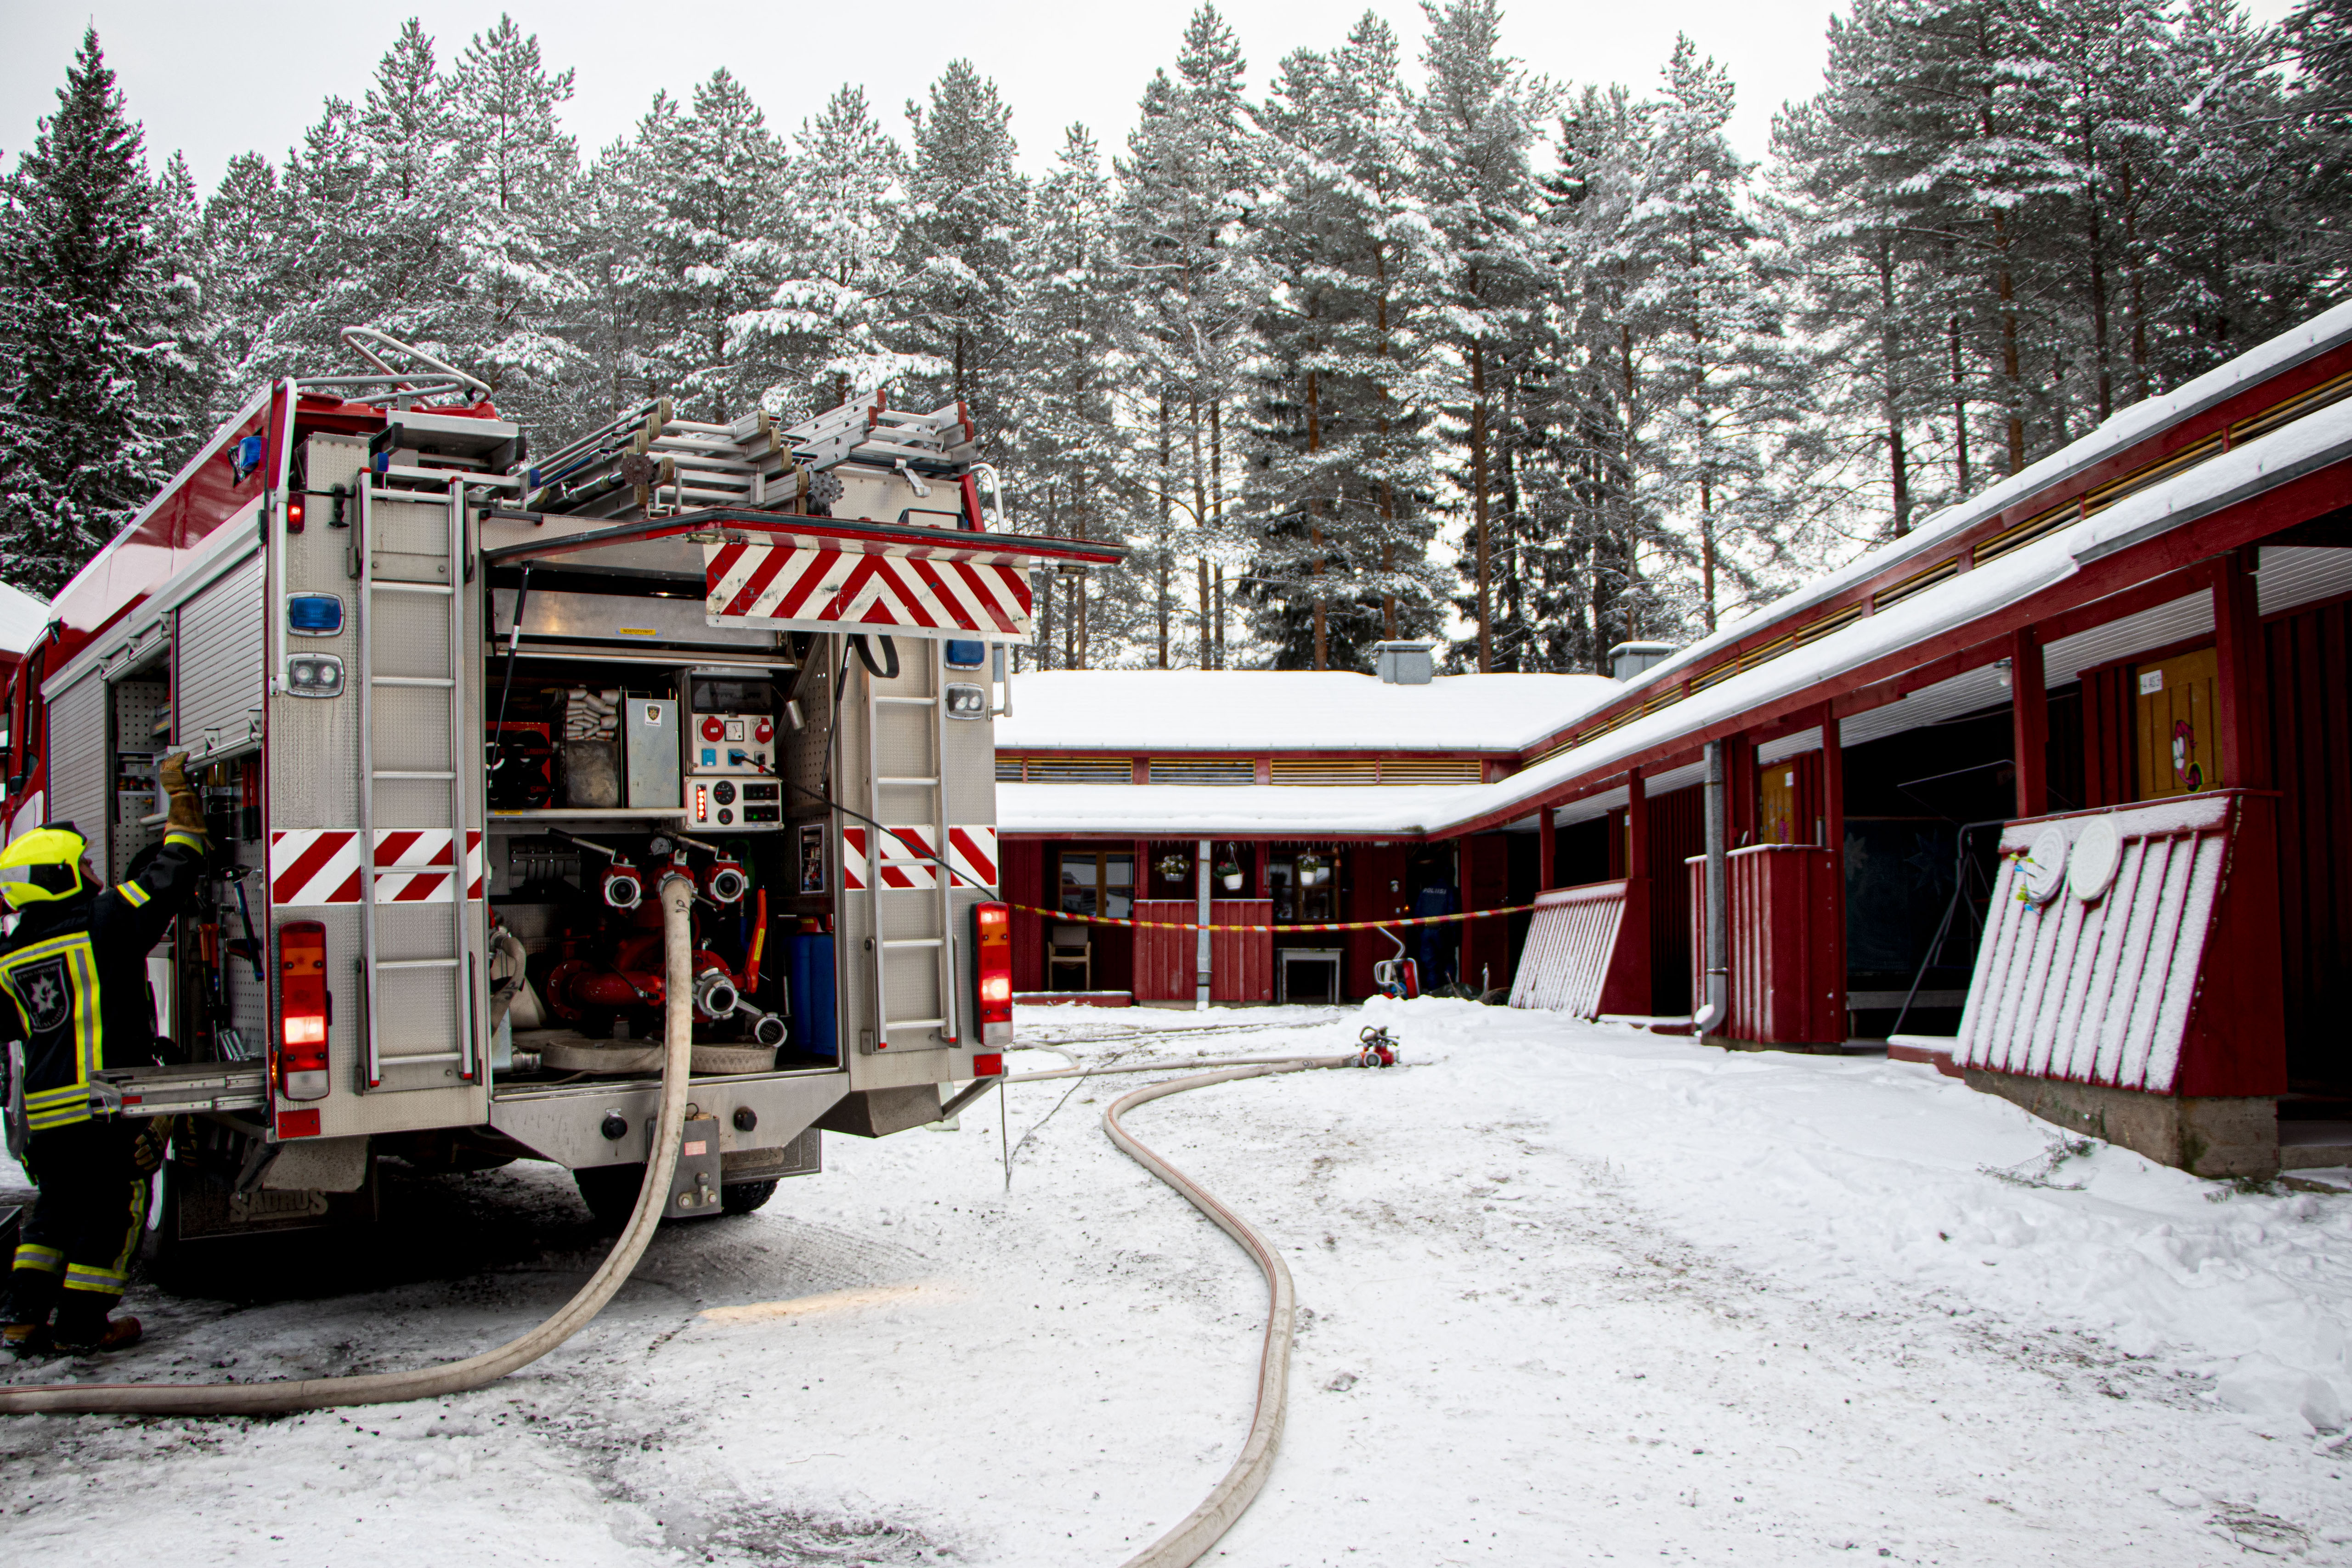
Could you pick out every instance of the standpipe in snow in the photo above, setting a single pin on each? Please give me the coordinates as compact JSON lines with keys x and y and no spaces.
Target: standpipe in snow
{"x":1199,"y":1530}
{"x":1714,"y":1009}
{"x":457,"y":1376}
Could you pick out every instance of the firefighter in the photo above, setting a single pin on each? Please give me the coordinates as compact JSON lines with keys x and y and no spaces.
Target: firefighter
{"x":75,"y":969}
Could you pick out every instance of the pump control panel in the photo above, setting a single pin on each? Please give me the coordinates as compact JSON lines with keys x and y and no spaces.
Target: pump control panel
{"x":732,"y":748}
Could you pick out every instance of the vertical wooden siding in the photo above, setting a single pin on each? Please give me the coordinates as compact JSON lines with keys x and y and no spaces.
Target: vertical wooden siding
{"x":1786,"y":988}
{"x":2310,"y":655}
{"x":1025,"y":883}
{"x":1241,"y":963}
{"x":2106,"y":730}
{"x":1677,"y":831}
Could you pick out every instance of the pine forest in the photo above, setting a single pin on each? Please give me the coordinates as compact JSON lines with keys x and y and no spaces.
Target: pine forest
{"x":1405,"y":344}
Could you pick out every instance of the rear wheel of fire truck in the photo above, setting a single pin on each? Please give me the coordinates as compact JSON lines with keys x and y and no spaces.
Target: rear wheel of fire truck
{"x":745,"y":1196}
{"x":610,"y":1192}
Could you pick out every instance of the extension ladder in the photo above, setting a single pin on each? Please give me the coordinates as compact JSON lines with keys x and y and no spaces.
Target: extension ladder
{"x":909,"y":730}
{"x":420,"y":1027}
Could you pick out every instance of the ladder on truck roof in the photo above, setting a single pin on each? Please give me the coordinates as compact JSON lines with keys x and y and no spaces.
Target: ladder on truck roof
{"x":430,"y":755}
{"x":921,"y":745}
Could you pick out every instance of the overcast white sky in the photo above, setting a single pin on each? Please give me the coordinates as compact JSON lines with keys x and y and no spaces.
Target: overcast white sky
{"x":213,"y":80}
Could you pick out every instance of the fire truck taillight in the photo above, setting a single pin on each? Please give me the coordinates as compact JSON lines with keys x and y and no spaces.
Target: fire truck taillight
{"x":297,"y":509}
{"x":992,"y":965}
{"x":304,"y":1008}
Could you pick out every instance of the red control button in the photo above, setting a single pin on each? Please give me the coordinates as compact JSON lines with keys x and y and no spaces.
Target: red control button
{"x":712,"y":730}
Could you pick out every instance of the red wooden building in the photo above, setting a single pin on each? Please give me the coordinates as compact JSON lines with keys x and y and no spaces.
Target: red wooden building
{"x":1298,"y":798}
{"x":2136,"y":651}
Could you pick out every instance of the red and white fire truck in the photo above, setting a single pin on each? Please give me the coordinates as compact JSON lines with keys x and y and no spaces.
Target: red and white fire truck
{"x":454,"y":709}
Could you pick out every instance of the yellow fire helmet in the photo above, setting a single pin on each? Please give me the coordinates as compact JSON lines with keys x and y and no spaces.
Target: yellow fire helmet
{"x":41,"y":865}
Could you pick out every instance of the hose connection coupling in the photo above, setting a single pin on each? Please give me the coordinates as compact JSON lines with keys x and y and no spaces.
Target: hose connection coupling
{"x":1376,"y":1049}
{"x":714,"y":996}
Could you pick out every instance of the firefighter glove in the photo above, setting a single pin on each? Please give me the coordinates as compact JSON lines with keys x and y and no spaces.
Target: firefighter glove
{"x":147,"y":1148}
{"x":187,"y":816}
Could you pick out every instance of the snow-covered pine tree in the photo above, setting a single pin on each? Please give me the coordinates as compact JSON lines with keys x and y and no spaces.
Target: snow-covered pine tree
{"x":191,"y":379}
{"x":1186,"y":187}
{"x":91,"y":423}
{"x":1343,"y":468}
{"x":1705,"y":304}
{"x":514,"y":178}
{"x":1065,"y":446}
{"x":359,"y":227}
{"x":620,"y":312}
{"x":713,"y":250}
{"x":1876,"y":314}
{"x":965,"y":213}
{"x":1479,"y":112}
{"x":240,"y":262}
{"x":827,"y":329}
{"x":2236,"y":221}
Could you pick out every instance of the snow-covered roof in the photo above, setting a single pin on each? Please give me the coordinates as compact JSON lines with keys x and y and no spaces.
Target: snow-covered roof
{"x":1281,"y":710}
{"x":22,"y":617}
{"x":2316,"y":441}
{"x":1210,"y":811}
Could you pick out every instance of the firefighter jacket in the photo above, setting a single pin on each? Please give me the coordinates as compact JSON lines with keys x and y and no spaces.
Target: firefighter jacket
{"x":77,"y":973}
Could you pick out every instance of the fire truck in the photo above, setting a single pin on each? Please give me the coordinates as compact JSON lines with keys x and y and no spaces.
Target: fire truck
{"x":455,"y":708}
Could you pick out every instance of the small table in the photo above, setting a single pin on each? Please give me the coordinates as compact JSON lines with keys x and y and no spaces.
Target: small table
{"x":1287,"y":956}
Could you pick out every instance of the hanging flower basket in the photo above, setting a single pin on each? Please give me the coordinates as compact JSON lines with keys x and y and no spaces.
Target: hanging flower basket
{"x":1175,"y":866}
{"x":1229,"y":872}
{"x":1314,"y":870}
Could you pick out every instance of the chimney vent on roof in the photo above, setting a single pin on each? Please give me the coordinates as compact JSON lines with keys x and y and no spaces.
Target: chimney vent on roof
{"x":1403,"y":663}
{"x":1628,"y":659}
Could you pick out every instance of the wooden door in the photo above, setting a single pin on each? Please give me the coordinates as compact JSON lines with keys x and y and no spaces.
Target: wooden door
{"x":2176,"y":729}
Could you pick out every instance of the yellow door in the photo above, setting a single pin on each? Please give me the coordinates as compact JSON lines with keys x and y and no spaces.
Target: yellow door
{"x":2176,"y":725}
{"x":1776,"y":822}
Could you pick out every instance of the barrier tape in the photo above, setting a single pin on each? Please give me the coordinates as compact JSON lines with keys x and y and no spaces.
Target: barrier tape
{"x":1325,"y":925}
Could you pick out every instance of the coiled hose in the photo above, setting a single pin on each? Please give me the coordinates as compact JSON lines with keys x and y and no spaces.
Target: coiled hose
{"x":1197,"y":1531}
{"x":457,"y":1376}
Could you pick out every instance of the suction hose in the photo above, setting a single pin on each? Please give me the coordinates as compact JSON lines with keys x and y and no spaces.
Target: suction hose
{"x":457,"y":1376}
{"x":1197,"y":1531}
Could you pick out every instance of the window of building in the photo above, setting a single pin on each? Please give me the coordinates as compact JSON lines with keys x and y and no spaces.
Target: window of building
{"x":1098,"y":882}
{"x":1305,"y":884}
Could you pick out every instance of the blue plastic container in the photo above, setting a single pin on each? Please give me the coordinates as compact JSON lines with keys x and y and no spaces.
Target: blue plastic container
{"x":808,"y":971}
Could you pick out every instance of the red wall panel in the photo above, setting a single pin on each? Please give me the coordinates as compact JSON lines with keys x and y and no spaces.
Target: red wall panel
{"x":1677,"y":831}
{"x":1025,"y":883}
{"x":1786,"y":988}
{"x":2310,"y":658}
{"x":1241,"y":964}
{"x":1786,"y":958}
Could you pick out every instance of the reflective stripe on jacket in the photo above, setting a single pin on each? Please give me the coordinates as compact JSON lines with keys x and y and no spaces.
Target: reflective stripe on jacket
{"x":76,"y":972}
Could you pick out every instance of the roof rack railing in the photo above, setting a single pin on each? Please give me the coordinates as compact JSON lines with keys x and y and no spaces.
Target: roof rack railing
{"x":393,"y":388}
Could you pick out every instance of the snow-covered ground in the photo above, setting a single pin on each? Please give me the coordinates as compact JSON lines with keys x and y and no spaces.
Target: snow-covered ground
{"x":1567,"y":1293}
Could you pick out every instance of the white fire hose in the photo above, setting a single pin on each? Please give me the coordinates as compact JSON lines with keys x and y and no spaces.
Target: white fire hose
{"x":1197,"y":1531}
{"x":457,"y":1376}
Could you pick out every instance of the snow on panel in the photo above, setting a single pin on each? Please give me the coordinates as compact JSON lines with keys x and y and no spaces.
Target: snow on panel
{"x":2101,"y":992}
{"x":1571,"y":937}
{"x":1289,"y":711}
{"x":1208,"y":811}
{"x":22,"y":618}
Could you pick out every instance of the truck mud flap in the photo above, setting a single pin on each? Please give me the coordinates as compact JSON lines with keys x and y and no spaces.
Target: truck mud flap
{"x":877,"y":1112}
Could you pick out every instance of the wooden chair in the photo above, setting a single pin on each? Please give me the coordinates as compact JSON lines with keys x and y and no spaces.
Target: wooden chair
{"x":1070,"y":946}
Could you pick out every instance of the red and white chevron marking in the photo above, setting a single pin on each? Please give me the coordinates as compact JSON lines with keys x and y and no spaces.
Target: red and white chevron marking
{"x":972,"y":851}
{"x":322,"y":865}
{"x":941,"y":594}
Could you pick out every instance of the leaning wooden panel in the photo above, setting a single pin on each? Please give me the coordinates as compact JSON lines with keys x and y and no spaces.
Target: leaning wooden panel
{"x":1577,"y":957}
{"x":2149,"y":961}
